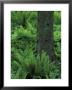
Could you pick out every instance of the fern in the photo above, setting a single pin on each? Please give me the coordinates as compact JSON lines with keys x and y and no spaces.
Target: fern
{"x":37,"y":67}
{"x":25,"y":62}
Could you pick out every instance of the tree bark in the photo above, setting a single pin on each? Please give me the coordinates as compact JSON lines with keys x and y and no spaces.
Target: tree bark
{"x":45,"y":33}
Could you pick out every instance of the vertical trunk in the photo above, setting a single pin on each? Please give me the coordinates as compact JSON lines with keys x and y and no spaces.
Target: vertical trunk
{"x":45,"y":33}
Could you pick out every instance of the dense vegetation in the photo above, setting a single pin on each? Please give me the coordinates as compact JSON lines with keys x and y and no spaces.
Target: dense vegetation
{"x":26,"y":63}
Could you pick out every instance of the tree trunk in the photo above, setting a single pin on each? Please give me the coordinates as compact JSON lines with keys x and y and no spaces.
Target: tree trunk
{"x":45,"y":33}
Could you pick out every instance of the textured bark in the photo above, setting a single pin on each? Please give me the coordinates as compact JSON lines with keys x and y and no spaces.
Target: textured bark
{"x":45,"y":33}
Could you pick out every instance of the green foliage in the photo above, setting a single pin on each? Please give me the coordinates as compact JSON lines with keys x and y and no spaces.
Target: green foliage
{"x":57,"y":19}
{"x":21,"y":32}
{"x":39,"y":67}
{"x":57,"y":43}
{"x":26,"y":63}
{"x":25,"y":19}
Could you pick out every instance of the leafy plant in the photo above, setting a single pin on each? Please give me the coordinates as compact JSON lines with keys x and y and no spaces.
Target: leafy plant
{"x":26,"y":63}
{"x":30,"y":66}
